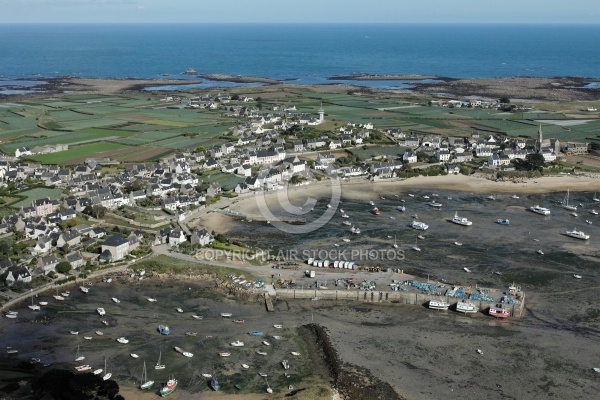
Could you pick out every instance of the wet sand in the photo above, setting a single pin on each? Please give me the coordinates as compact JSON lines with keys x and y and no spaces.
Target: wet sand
{"x":428,"y":355}
{"x":423,"y":354}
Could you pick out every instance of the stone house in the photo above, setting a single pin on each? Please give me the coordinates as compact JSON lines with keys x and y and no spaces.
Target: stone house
{"x":115,"y":248}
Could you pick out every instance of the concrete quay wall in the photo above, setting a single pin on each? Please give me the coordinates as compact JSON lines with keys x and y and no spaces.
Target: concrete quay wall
{"x":516,"y":310}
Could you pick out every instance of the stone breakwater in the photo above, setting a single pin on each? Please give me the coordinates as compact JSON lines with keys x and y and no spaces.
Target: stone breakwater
{"x":350,"y":381}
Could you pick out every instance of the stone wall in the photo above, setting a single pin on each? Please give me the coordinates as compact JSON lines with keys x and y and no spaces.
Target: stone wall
{"x":387,"y":297}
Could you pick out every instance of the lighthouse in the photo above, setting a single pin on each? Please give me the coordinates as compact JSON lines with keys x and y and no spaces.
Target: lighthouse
{"x":321,"y":114}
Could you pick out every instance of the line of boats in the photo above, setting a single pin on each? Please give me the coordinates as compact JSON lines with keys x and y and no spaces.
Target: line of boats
{"x":466,"y":307}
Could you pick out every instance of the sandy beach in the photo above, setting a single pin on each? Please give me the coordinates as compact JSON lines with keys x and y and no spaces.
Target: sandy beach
{"x":365,"y":190}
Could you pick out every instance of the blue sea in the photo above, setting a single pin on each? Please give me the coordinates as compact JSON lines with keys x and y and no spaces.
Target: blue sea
{"x":301,"y":53}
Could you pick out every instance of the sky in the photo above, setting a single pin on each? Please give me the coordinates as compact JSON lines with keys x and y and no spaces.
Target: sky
{"x":300,"y":11}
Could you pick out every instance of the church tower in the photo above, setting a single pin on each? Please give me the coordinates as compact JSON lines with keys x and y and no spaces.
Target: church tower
{"x":540,"y":139}
{"x":321,"y":114}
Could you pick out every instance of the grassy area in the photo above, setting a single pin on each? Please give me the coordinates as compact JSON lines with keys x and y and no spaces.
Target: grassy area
{"x":37,"y":193}
{"x":138,"y":121}
{"x":85,"y":150}
{"x":164,"y":264}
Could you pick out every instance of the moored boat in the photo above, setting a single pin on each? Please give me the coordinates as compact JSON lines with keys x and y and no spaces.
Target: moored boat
{"x":237,"y":343}
{"x":84,"y":367}
{"x":503,"y":221}
{"x":100,"y":311}
{"x":420,"y":226}
{"x":226,"y":314}
{"x":238,"y":321}
{"x":34,"y":307}
{"x":224,"y":354}
{"x":145,"y":384}
{"x":107,"y":375}
{"x":434,"y":204}
{"x":566,"y":205}
{"x":376,"y":211}
{"x":122,"y":340}
{"x":460,"y":220}
{"x":255,"y":333}
{"x":164,"y":329}
{"x":158,"y":364}
{"x":498,"y":312}
{"x":190,"y":333}
{"x":438,"y":305}
{"x":214,"y":384}
{"x":577,"y":234}
{"x":539,"y":210}
{"x":285,"y":364}
{"x":466,"y":307}
{"x":168,"y":387}
{"x":79,"y":357}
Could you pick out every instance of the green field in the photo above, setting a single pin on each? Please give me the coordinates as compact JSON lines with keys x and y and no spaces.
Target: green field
{"x":142,"y":125}
{"x":37,"y":193}
{"x":85,"y":150}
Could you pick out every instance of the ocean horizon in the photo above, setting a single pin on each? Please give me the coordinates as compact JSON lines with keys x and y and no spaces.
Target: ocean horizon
{"x":298,"y":53}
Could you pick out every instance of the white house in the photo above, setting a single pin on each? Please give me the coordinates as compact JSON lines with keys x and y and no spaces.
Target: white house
{"x":409,"y":157}
{"x":115,"y":248}
{"x":21,"y":275}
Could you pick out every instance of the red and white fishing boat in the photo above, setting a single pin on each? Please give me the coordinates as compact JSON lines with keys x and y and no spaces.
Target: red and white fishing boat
{"x":376,"y":211}
{"x":498,"y":312}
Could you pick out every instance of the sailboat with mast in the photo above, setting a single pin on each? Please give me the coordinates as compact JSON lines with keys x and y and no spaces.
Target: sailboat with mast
{"x":34,"y":307}
{"x":108,"y":375}
{"x":58,"y":297}
{"x":416,"y":246}
{"x":146,"y":384}
{"x":596,"y":198}
{"x":395,"y":245}
{"x":84,"y":288}
{"x":79,"y":357}
{"x":158,"y":364}
{"x":269,"y":390}
{"x":566,"y":205}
